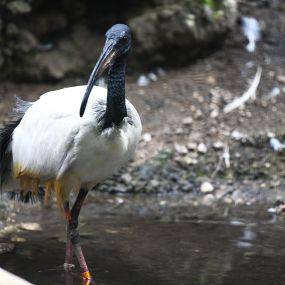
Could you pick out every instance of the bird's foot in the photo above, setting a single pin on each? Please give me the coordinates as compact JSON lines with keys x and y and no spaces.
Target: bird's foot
{"x":86,"y":275}
{"x":68,"y":266}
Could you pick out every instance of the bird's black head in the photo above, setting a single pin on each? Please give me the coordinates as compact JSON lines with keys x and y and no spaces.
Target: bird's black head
{"x":118,"y":44}
{"x":120,"y":36}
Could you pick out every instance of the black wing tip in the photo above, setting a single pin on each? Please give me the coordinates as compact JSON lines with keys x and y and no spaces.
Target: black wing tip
{"x":6,"y":134}
{"x":28,"y":197}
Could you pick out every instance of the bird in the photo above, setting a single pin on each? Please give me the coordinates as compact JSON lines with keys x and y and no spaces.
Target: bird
{"x":71,"y":139}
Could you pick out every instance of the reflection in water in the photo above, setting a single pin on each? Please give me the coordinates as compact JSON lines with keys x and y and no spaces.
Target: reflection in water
{"x":132,"y":250}
{"x":247,"y":237}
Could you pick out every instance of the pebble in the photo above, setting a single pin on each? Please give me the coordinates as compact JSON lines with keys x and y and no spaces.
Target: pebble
{"x":6,"y":247}
{"x":161,"y":72}
{"x":208,"y":199}
{"x":281,"y":78}
{"x":211,"y":80}
{"x":187,"y":121}
{"x":228,"y":200}
{"x":206,"y":187}
{"x":189,"y":160}
{"x":180,"y":148}
{"x":18,"y":239}
{"x":31,"y":226}
{"x":275,"y":92}
{"x":147,"y":137}
{"x":143,"y":81}
{"x":152,"y":76}
{"x":127,"y":178}
{"x":214,"y":113}
{"x":192,"y":146}
{"x":202,"y":148}
{"x":218,"y":145}
{"x":119,"y":201}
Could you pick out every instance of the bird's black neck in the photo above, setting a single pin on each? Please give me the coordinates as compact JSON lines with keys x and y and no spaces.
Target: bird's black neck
{"x":116,"y":109}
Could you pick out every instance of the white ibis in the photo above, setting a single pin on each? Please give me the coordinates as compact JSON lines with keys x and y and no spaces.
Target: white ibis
{"x":67,"y":143}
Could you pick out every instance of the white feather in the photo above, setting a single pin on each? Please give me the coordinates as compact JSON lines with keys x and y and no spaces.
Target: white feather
{"x":52,"y":139}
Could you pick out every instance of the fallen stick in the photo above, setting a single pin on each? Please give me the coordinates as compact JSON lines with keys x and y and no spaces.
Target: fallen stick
{"x":250,"y":93}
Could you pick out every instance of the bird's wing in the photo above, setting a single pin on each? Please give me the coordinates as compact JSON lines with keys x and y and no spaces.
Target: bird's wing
{"x":43,"y":143}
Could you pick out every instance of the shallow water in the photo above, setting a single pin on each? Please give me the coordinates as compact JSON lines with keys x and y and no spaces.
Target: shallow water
{"x":245,"y":245}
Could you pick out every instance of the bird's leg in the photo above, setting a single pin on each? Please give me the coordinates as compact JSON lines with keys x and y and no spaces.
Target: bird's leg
{"x":74,"y":235}
{"x":69,"y":248}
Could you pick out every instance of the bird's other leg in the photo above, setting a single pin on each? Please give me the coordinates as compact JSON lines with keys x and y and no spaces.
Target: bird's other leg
{"x":69,"y":248}
{"x":74,"y":235}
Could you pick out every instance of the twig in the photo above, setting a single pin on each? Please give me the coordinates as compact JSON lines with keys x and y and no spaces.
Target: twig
{"x":250,"y":93}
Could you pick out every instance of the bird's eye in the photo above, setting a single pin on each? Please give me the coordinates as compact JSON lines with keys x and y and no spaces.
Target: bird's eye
{"x":124,"y":39}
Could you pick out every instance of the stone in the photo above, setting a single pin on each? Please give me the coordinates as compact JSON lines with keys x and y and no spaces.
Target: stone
{"x":281,"y":78}
{"x":19,"y":7}
{"x":192,"y":146}
{"x":218,"y":145}
{"x":6,"y":247}
{"x":180,"y":148}
{"x":208,"y":199}
{"x":31,"y":226}
{"x":146,"y":137}
{"x":206,"y":187}
{"x":202,"y":148}
{"x":182,"y":21}
{"x":187,"y":121}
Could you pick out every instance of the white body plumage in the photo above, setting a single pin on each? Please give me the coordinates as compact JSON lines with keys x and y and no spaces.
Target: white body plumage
{"x":53,"y":141}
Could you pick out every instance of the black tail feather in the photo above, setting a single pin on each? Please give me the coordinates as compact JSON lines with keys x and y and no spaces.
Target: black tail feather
{"x":5,"y":150}
{"x":29,"y":197}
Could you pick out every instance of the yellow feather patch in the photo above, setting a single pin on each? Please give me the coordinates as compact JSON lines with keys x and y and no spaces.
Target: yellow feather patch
{"x":49,"y":187}
{"x":30,"y":180}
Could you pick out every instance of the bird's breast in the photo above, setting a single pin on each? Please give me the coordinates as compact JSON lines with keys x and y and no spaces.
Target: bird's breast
{"x":100,"y":155}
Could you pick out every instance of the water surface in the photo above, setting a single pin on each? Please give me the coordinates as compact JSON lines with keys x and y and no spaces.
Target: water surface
{"x":133,"y":247}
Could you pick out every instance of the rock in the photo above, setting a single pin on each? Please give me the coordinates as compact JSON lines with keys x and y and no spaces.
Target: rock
{"x":193,"y":28}
{"x":218,"y":145}
{"x":189,"y":160}
{"x":19,"y":7}
{"x":152,"y":76}
{"x":214,"y":113}
{"x":16,"y":238}
{"x":180,"y":148}
{"x":206,"y":187}
{"x":6,"y":247}
{"x":146,"y":137}
{"x":127,"y":178}
{"x":192,"y":146}
{"x":27,"y":41}
{"x":189,"y":25}
{"x":31,"y":226}
{"x":202,"y":148}
{"x":228,"y":200}
{"x":143,"y":81}
{"x":187,"y":121}
{"x":208,"y":199}
{"x":51,"y":22}
{"x":281,"y":78}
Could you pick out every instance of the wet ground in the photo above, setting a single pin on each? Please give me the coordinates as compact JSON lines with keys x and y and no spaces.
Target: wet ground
{"x":131,"y":240}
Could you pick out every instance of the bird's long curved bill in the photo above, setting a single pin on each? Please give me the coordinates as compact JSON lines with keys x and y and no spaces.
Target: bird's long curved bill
{"x":106,"y":57}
